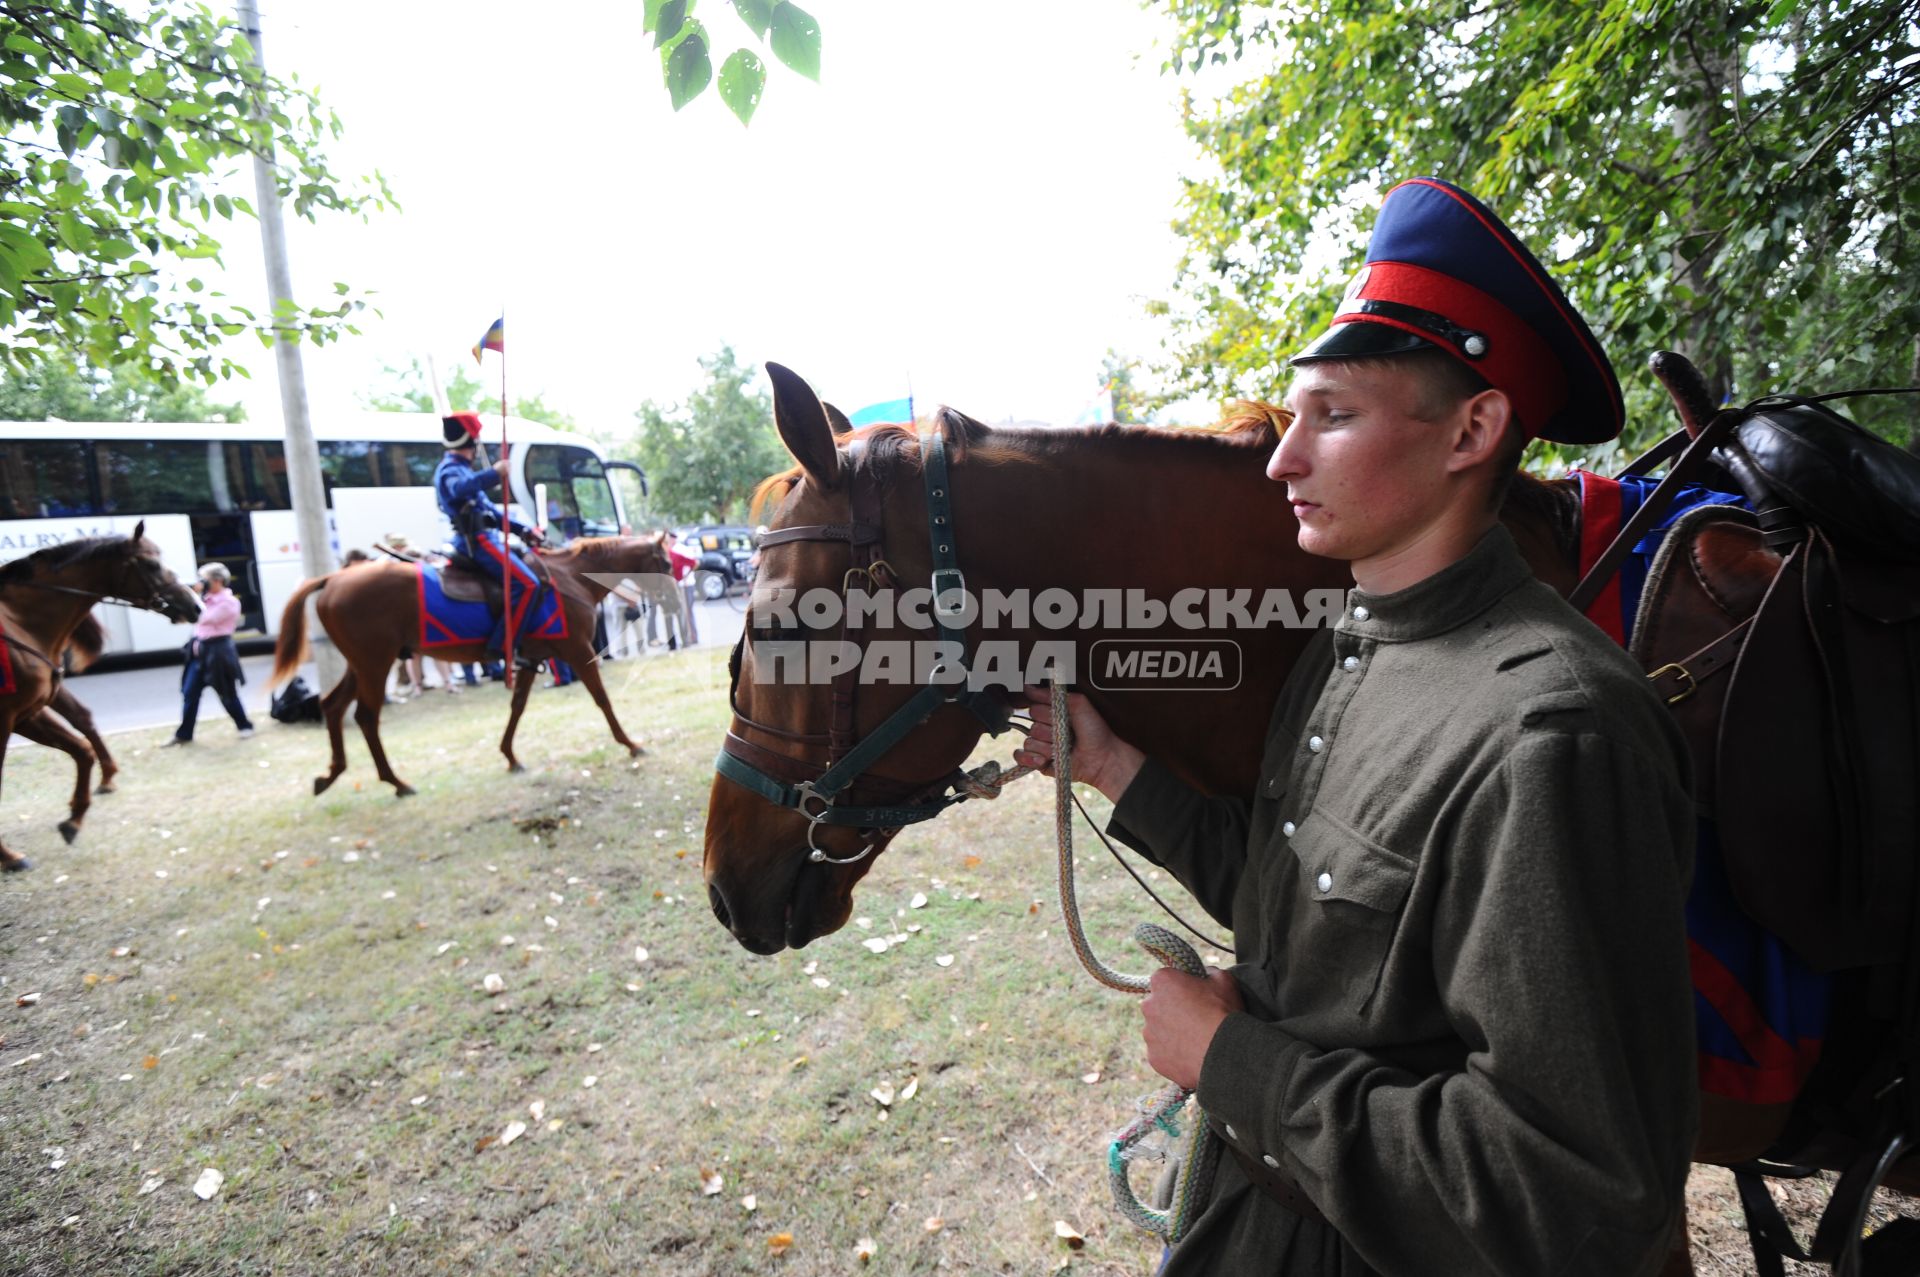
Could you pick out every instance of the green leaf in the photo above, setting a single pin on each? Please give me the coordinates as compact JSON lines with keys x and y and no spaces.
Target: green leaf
{"x":743,"y":77}
{"x":757,"y":14}
{"x":688,"y":69}
{"x":650,"y":16}
{"x":672,"y":16}
{"x":796,"y":39}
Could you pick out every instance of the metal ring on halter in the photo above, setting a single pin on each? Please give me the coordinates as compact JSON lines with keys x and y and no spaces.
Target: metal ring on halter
{"x":816,"y":853}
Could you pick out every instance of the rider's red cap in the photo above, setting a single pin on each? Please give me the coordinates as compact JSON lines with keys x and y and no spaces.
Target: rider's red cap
{"x":460,"y":429}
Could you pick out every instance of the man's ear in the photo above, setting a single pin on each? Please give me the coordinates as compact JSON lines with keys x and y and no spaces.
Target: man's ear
{"x":1482,"y":428}
{"x":804,"y":426}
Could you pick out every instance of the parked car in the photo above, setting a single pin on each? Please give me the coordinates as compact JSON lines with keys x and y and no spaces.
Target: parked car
{"x":725,"y":554}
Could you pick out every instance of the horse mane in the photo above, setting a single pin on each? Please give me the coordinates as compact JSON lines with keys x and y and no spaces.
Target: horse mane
{"x":56,"y":558}
{"x":88,"y":640}
{"x":1247,"y":423}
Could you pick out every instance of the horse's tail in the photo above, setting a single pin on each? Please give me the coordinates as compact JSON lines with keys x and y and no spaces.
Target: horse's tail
{"x":88,"y":641}
{"x":291,"y":647}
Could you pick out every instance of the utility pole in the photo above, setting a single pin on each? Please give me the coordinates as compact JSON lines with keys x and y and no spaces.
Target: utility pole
{"x":303,"y":455}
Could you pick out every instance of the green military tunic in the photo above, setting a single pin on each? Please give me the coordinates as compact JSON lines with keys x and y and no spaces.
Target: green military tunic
{"x":1456,"y":902}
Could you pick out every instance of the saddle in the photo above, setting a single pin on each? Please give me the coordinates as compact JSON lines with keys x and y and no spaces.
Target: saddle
{"x":1786,"y":642}
{"x":465,"y":581}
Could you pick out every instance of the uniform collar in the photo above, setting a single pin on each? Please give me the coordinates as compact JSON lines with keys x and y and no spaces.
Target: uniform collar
{"x":1446,"y":600}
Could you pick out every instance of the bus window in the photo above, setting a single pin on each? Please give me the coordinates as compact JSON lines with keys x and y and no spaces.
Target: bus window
{"x":257,"y":476}
{"x":579,"y":499}
{"x":418,"y":462}
{"x":159,"y":476}
{"x":44,"y":479}
{"x":358,"y":463}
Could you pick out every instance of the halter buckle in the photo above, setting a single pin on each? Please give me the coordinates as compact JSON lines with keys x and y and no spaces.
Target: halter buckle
{"x":958,"y":586}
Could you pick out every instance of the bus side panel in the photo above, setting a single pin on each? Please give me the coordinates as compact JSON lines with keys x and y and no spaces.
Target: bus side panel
{"x":364,"y":516}
{"x":276,"y":549}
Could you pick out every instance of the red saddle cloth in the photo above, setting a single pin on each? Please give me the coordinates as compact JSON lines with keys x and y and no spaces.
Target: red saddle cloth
{"x":6,"y":665}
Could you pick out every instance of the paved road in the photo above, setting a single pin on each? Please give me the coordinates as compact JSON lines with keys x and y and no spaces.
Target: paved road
{"x":126,"y":699}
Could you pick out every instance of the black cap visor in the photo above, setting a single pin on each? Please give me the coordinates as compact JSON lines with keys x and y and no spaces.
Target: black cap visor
{"x":1361,"y":340}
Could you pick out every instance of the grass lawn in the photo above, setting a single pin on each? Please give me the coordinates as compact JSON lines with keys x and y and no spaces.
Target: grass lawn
{"x":291,"y":991}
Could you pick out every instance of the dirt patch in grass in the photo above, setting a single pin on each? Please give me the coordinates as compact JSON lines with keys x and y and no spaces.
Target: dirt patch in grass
{"x":294,"y":991}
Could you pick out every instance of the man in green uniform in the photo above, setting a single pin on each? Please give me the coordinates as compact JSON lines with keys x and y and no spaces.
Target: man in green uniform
{"x":1458,"y":1035}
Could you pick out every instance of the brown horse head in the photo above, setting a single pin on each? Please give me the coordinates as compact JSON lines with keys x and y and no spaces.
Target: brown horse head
{"x":763,"y":879}
{"x":121,"y":569}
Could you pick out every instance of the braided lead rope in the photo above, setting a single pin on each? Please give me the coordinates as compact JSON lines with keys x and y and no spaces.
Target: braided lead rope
{"x":1202,"y":1151}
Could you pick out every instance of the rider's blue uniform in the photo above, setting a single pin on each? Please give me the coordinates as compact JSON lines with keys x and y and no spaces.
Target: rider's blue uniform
{"x":461,"y":491}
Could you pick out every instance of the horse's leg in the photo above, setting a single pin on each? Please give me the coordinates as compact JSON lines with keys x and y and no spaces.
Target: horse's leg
{"x":373,"y":677}
{"x":335,"y":708}
{"x":589,"y":672}
{"x":522,"y":687}
{"x":46,"y":729}
{"x":10,"y":862}
{"x":68,"y":706}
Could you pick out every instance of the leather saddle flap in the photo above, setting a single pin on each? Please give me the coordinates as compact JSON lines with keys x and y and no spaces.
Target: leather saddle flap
{"x":465,"y":582}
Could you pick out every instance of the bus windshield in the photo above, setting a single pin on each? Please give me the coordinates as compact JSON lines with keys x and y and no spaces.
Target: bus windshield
{"x":579,"y":498}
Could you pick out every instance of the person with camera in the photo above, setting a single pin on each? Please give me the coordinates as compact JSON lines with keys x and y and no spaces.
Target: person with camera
{"x":212,"y":660}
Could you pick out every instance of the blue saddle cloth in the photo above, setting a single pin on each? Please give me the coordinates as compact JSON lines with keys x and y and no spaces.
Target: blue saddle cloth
{"x":447,"y":622}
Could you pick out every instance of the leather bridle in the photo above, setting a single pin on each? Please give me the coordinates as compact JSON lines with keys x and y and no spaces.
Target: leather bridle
{"x":816,"y":790}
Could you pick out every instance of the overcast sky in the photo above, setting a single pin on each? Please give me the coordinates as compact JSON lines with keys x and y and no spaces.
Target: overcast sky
{"x":976,"y":196}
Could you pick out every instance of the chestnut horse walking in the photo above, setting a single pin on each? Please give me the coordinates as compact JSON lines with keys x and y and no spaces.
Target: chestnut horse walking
{"x":372,"y":614}
{"x":46,"y":604}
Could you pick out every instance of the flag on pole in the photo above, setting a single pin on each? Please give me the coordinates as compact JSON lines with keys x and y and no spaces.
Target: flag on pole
{"x":1097,"y":411}
{"x":495,"y":339}
{"x":893,"y":410}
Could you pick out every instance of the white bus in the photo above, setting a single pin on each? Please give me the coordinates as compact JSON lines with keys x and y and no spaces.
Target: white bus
{"x":214,"y":491}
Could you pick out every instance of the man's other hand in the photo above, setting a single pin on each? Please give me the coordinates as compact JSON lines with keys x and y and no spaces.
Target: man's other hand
{"x":1100,"y":758}
{"x":1181,"y":1014}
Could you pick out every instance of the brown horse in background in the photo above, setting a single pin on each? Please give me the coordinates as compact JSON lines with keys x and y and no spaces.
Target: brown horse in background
{"x":372,"y":614}
{"x":46,"y":603}
{"x":67,"y":725}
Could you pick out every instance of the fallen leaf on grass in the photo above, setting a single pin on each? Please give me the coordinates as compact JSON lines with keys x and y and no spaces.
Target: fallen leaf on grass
{"x":882,"y":1095}
{"x":207,"y":1187}
{"x":933,"y":1223}
{"x":538,"y":1109}
{"x":124,"y":951}
{"x":711,"y":1182}
{"x":1069,"y":1234}
{"x":513,"y":1132}
{"x":907,"y":1091}
{"x":750,"y":1203}
{"x":640,"y":953}
{"x":971,"y":862}
{"x":1090,"y":1078}
{"x":944,"y":960}
{"x":494,"y":983}
{"x":588,"y":1080}
{"x":152,"y":1184}
{"x":26,"y":1000}
{"x":878,"y":944}
{"x":779,"y":1242}
{"x":150,"y":1062}
{"x":919,"y":900}
{"x":863,"y":1250}
{"x":90,"y":979}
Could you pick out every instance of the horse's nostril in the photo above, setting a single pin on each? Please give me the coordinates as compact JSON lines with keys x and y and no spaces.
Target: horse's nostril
{"x":719,"y":906}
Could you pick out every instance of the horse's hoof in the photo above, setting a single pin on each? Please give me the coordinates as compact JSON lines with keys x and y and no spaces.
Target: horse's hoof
{"x":320,"y":784}
{"x":104,"y":787}
{"x":17,"y":865}
{"x":516,"y":767}
{"x":634,"y":751}
{"x":403,"y":790}
{"x":69,"y":831}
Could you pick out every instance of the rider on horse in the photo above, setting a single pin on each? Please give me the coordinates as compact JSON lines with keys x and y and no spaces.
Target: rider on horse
{"x":480,"y":526}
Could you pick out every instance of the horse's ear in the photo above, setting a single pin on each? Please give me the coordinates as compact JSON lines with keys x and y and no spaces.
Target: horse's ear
{"x":139,"y":530}
{"x":837,"y":420}
{"x":804,"y":426}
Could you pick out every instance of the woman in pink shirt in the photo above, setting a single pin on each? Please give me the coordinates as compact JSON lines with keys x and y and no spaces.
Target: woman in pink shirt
{"x":212,"y":660}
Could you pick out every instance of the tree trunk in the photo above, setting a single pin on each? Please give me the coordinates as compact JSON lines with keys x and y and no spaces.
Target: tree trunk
{"x":1705,"y":59}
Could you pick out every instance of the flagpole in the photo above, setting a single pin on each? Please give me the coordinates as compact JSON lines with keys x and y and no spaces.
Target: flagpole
{"x":506,"y":508}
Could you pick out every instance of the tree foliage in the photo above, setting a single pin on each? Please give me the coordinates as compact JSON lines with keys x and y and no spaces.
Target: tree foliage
{"x":54,"y":390}
{"x":1727,"y":179}
{"x":686,"y":50}
{"x":117,"y":126}
{"x":1130,"y":406}
{"x":704,"y":457}
{"x":410,"y":390}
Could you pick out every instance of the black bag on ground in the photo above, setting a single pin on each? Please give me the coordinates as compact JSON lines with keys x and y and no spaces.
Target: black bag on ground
{"x":295,"y":703}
